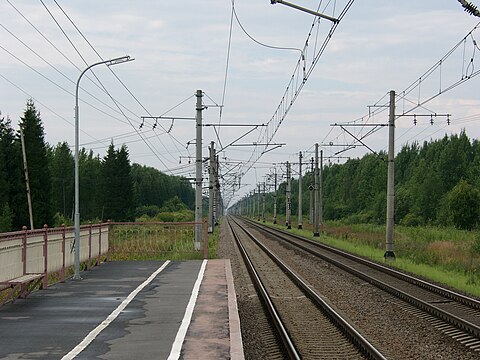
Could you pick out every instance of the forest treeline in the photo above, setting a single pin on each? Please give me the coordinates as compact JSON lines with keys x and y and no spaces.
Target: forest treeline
{"x":436,"y":183}
{"x":110,"y":186}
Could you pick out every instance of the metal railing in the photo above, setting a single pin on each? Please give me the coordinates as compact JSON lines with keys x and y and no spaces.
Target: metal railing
{"x":156,"y":241}
{"x":49,"y":250}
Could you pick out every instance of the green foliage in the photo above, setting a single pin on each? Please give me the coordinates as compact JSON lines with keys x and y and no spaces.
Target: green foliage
{"x":147,"y":210}
{"x":38,"y":169}
{"x":464,"y":205}
{"x":173,"y":204}
{"x":60,"y":220}
{"x":177,"y":216}
{"x":90,"y":174}
{"x":110,"y":188}
{"x":117,"y":185}
{"x":10,"y":170}
{"x":475,"y":247}
{"x":426,"y":181}
{"x":446,"y":255}
{"x":62,"y":170}
{"x":411,"y":219}
{"x":6,"y":218}
{"x":152,"y":187}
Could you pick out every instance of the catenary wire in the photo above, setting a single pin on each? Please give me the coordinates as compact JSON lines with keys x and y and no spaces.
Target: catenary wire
{"x":117,"y":77}
{"x":149,"y":145}
{"x":45,"y":106}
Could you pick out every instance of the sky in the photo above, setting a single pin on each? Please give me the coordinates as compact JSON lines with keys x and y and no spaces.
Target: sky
{"x":182,"y":46}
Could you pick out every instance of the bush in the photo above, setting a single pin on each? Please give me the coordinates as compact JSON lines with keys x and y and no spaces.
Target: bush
{"x":177,"y":216}
{"x":412,"y":220}
{"x":173,"y":204}
{"x":148,"y":210}
{"x":363,"y":217}
{"x":60,"y":219}
{"x":464,"y":205}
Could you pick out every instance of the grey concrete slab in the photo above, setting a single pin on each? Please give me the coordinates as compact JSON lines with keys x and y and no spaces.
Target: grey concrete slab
{"x":52,"y":322}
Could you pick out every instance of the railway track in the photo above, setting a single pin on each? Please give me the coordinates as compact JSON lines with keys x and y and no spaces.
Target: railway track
{"x":307,"y":325}
{"x":456,"y":315}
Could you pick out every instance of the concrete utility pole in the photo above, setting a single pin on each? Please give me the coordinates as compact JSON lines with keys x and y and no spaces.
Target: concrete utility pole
{"x":311,"y":188}
{"x":389,"y":253}
{"x":300,"y":194}
{"x":27,"y":181}
{"x":198,"y":171}
{"x":320,"y":190}
{"x":264,"y":215}
{"x":258,"y":203}
{"x":275,"y":198}
{"x":288,"y":211}
{"x":316,"y":190}
{"x":216,"y":190}
{"x":211,"y":183}
{"x":253,"y":202}
{"x":250,"y":205}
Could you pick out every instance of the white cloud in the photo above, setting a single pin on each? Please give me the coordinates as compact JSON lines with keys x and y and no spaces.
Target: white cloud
{"x":181,"y":46}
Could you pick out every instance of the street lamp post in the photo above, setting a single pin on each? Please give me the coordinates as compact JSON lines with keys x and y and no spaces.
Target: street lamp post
{"x":110,"y":62}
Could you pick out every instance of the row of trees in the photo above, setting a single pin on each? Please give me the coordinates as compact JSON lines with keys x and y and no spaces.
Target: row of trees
{"x":436,"y":183}
{"x":110,"y":187}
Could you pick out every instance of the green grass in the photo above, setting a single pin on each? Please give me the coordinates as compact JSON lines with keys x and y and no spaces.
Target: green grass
{"x":158,"y":242}
{"x":444,"y":255}
{"x":213,"y":243}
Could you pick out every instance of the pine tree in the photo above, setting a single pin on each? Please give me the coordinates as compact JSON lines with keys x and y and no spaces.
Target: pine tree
{"x":7,"y":174}
{"x":117,"y":185}
{"x":125,"y":186}
{"x":90,"y":173}
{"x":62,"y":167}
{"x":11,"y":178}
{"x":109,"y":186}
{"x":38,"y":167}
{"x":5,"y":142}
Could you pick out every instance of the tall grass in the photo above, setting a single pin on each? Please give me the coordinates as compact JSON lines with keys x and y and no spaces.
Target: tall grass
{"x":158,"y":242}
{"x":445,"y":255}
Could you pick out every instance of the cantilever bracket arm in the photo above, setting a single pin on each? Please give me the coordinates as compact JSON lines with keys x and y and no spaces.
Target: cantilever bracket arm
{"x":360,"y":141}
{"x":301,"y":8}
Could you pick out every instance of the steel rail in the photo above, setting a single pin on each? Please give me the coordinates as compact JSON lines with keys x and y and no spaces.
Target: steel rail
{"x":281,"y":330}
{"x":357,"y":339}
{"x":456,"y":321}
{"x":452,"y":295}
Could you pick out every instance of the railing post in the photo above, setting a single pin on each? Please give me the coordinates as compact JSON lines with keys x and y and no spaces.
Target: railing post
{"x":24,"y":250}
{"x":89,"y":263}
{"x":62,"y":272}
{"x":45,"y":256}
{"x":108,"y":243}
{"x":99,"y":259}
{"x":205,"y":240}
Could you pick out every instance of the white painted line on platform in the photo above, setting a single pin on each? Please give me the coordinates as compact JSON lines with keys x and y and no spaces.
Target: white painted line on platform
{"x":182,"y":331}
{"x":94,"y":333}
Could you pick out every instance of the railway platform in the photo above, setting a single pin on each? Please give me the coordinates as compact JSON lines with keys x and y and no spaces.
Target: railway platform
{"x":129,"y":309}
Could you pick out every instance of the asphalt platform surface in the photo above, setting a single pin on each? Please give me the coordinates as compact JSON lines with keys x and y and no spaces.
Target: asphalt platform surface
{"x":50,"y":323}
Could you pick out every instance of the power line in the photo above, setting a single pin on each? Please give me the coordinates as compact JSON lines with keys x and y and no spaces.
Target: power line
{"x":45,"y":106}
{"x":255,"y":40}
{"x":60,"y":52}
{"x":149,"y":145}
{"x":303,"y":69}
{"x":116,"y":76}
{"x":468,"y":72}
{"x":54,"y":67}
{"x":227,"y":64}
